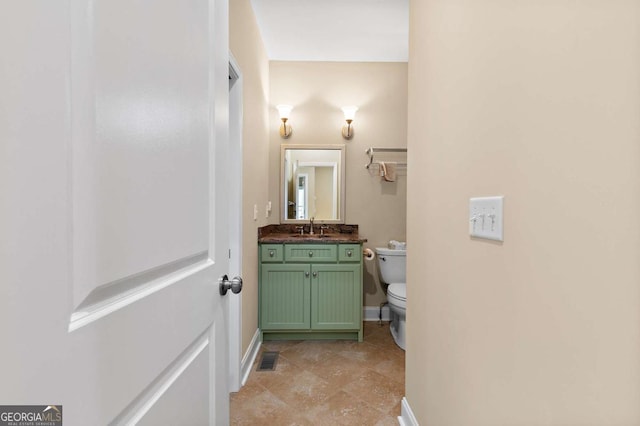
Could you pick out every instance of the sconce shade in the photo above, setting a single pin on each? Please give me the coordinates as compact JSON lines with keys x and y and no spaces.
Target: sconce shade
{"x":349,"y":115}
{"x":349,"y":112}
{"x":284,"y":111}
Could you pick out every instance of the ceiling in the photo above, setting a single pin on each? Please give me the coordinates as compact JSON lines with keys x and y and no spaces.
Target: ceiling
{"x":334,"y":30}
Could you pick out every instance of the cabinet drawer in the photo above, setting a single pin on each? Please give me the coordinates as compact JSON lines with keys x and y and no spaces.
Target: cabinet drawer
{"x":349,"y":253}
{"x":310,"y":253}
{"x":271,"y":252}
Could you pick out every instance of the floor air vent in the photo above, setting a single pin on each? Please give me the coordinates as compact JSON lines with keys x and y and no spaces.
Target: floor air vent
{"x":268,"y":361}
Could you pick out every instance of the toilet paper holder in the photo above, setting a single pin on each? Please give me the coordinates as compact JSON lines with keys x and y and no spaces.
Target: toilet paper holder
{"x":368,"y":254}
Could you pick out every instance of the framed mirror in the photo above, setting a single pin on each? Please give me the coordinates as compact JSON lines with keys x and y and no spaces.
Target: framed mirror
{"x":312,"y":183}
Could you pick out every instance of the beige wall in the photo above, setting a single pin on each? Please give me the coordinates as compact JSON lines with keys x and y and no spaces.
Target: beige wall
{"x":539,"y":102}
{"x":248,"y":50}
{"x":317,"y":91}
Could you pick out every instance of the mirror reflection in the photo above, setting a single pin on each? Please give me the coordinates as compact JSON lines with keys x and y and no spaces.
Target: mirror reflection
{"x":312,"y":184}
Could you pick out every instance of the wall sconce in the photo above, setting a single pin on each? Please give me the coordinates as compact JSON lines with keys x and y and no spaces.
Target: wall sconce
{"x":285,"y":129}
{"x":349,"y":114}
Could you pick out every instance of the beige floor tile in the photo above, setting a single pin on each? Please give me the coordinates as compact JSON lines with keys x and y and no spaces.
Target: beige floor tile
{"x":372,"y":327}
{"x":395,"y":350}
{"x":290,"y":417}
{"x":364,"y":352}
{"x":397,"y":410}
{"x":382,"y":338}
{"x":303,"y":391}
{"x":388,"y":421}
{"x":285,"y":370}
{"x":344,"y":409}
{"x":254,"y":410}
{"x":249,"y":391}
{"x":337,"y":370}
{"x":278,"y":345}
{"x":392,"y":368}
{"x":306,"y":353}
{"x":377,"y":390}
{"x":337,"y":345}
{"x":326,"y":383}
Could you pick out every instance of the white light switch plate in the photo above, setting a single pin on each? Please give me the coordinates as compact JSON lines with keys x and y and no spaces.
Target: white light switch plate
{"x":486,"y":218}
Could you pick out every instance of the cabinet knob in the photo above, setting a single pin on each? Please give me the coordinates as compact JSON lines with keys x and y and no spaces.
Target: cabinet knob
{"x":271,"y":253}
{"x":349,"y":253}
{"x":310,"y":254}
{"x":315,"y":274}
{"x":306,"y":274}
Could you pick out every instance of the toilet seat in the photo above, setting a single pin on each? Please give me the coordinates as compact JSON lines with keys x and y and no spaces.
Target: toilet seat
{"x":397,"y":295}
{"x":398,"y":290}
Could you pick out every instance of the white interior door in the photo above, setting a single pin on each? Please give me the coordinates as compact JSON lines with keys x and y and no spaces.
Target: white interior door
{"x":113,"y":132}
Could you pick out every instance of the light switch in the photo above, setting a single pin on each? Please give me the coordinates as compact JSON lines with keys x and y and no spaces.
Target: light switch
{"x":255,"y":212}
{"x":486,"y":218}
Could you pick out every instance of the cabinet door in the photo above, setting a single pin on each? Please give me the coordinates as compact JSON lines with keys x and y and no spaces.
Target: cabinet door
{"x":336,"y":295}
{"x":285,"y":297}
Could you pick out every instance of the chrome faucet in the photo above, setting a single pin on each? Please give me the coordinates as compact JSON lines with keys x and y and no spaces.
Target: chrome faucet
{"x":311,"y":226}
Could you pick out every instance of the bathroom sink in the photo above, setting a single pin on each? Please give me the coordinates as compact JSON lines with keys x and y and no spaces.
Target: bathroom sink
{"x":310,"y":237}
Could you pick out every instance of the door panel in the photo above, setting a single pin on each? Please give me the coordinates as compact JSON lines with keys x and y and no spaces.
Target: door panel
{"x":144,"y":205}
{"x":190,"y":389}
{"x":152,"y":134}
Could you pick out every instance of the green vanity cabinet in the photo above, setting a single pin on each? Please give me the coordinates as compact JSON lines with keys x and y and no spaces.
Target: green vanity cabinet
{"x":311,"y":291}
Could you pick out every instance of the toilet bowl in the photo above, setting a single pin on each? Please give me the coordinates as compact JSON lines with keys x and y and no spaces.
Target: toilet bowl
{"x":397,"y":298}
{"x":393,"y":269}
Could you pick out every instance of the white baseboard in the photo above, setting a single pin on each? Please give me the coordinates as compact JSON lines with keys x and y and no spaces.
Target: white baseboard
{"x":407,"y":418}
{"x":250,"y":356}
{"x":372,"y":313}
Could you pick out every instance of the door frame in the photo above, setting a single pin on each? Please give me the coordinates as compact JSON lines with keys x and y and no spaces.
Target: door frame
{"x":334,"y":189}
{"x":234,"y":319}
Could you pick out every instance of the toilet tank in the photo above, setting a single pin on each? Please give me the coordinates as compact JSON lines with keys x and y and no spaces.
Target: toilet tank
{"x":393,"y":265}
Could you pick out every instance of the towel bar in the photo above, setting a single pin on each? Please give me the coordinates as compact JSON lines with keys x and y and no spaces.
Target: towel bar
{"x":371,"y":152}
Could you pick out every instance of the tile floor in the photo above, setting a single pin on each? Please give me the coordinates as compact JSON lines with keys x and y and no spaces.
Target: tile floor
{"x":326,"y":383}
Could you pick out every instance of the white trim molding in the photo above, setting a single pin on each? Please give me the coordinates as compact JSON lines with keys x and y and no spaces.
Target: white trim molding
{"x":407,"y":418}
{"x":372,"y":313}
{"x":250,"y":356}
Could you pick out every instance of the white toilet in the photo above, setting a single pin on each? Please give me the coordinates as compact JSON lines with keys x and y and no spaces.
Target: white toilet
{"x":393,"y":271}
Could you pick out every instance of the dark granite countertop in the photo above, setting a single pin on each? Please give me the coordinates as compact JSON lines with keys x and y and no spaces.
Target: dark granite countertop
{"x":287,"y":233}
